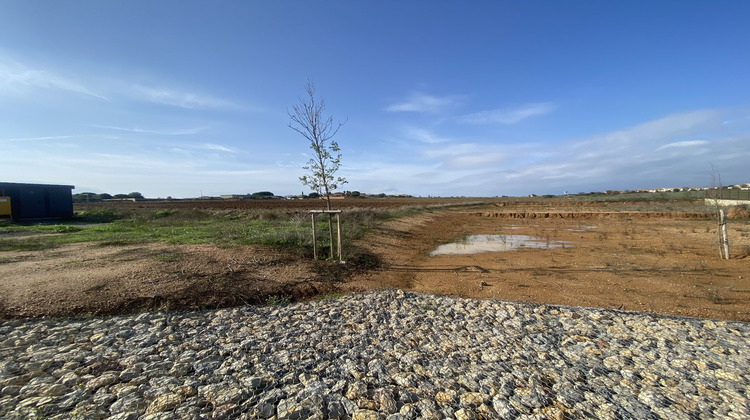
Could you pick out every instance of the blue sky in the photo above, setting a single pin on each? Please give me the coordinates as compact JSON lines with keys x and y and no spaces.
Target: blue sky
{"x":182,"y":98}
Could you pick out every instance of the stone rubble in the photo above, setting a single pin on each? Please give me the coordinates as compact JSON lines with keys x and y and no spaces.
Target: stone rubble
{"x":377,"y":355}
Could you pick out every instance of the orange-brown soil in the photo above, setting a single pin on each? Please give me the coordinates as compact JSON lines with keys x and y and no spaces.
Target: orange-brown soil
{"x":649,"y":262}
{"x":644,"y":261}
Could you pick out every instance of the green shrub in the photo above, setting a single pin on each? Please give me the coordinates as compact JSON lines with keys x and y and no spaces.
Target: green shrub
{"x":162,"y":213}
{"x":278,"y":300}
{"x":98,"y":216}
{"x":65,"y":229}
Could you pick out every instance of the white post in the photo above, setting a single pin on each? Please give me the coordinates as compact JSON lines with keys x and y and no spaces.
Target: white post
{"x":338,"y":231}
{"x":315,"y":238}
{"x":723,"y":236}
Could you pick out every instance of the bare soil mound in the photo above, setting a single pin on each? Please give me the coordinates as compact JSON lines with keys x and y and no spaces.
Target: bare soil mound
{"x":83,"y":279}
{"x":598,"y":215}
{"x":738,"y":212}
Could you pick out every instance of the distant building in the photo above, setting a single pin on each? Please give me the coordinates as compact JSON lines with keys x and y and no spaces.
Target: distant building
{"x":38,"y":201}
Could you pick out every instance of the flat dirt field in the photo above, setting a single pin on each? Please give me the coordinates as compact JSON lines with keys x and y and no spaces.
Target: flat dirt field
{"x":589,"y":254}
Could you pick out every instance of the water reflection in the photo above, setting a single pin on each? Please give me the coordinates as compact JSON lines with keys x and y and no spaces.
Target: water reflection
{"x":476,"y":244}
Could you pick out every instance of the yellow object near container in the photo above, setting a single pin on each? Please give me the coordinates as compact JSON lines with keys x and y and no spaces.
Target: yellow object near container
{"x":5,"y":206}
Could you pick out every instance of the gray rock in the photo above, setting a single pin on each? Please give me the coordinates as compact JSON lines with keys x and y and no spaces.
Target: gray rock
{"x":124,"y":416}
{"x":290,"y":409}
{"x":386,"y":354}
{"x":105,"y":379}
{"x":165,"y":402}
{"x":264,"y":410}
{"x":128,"y":403}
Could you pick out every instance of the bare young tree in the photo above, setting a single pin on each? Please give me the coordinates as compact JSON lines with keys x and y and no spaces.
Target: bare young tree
{"x":307,"y":119}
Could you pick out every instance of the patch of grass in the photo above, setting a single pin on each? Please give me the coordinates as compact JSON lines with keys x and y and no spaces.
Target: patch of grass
{"x":652,"y":250}
{"x":278,"y":300}
{"x":8,"y":260}
{"x":40,"y":228}
{"x":172,"y":226}
{"x":163,"y":213}
{"x":167,"y":257}
{"x":97,"y":216}
{"x":61,"y":228}
{"x":281,"y":229}
{"x":426,"y":306}
{"x":26,"y":245}
{"x":714,"y":295}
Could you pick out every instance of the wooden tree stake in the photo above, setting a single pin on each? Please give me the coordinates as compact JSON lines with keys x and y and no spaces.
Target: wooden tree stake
{"x":723,"y":236}
{"x":339,"y":241}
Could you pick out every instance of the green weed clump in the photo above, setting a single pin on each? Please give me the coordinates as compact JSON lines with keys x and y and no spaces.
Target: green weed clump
{"x":17,"y":245}
{"x":278,"y":300}
{"x":97,"y":216}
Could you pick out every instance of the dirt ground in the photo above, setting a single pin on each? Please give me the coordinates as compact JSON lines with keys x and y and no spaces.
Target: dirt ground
{"x":654,"y":262}
{"x":83,"y":279}
{"x":638,"y":261}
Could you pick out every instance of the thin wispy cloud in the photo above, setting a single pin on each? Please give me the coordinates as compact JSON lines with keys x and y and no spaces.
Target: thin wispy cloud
{"x":182,"y":99}
{"x":677,"y":124}
{"x":17,"y":76}
{"x":420,"y":102}
{"x":466,"y":156}
{"x":640,"y":156}
{"x":641,"y":138}
{"x":23,"y":139}
{"x":217,"y":147}
{"x":628,"y":155}
{"x":239,"y":173}
{"x":474,"y":161}
{"x":138,"y":130}
{"x":682,"y":144}
{"x":508,"y":116}
{"x":424,"y":136}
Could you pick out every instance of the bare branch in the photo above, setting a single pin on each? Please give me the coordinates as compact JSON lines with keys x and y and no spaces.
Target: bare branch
{"x":307,"y":119}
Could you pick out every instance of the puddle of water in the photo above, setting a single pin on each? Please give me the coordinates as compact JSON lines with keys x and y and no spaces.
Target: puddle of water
{"x":583,"y":229}
{"x":476,"y":244}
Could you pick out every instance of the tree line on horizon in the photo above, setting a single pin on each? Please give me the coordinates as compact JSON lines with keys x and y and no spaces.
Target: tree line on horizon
{"x":84,"y":197}
{"x":89,"y":196}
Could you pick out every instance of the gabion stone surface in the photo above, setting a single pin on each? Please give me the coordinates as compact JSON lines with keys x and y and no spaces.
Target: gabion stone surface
{"x":377,"y":355}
